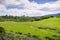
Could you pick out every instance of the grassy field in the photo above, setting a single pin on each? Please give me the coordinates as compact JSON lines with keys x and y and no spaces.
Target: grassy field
{"x":43,"y":28}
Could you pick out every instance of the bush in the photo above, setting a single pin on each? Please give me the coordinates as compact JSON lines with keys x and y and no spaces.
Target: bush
{"x":2,"y":31}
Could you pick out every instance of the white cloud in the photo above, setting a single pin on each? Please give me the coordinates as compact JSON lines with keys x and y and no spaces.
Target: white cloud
{"x":30,"y":8}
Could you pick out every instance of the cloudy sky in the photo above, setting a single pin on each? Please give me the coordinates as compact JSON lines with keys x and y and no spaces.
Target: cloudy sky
{"x":29,"y":7}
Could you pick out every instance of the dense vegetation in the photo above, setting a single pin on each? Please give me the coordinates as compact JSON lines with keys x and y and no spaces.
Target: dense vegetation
{"x":23,"y":18}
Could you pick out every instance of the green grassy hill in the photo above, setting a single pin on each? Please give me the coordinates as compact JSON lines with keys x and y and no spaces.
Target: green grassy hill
{"x":43,"y":28}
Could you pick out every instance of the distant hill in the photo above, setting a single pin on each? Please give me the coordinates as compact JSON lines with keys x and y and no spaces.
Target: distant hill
{"x":58,"y":15}
{"x":53,"y":14}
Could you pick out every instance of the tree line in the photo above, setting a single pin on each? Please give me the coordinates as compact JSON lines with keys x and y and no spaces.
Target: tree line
{"x":23,"y":18}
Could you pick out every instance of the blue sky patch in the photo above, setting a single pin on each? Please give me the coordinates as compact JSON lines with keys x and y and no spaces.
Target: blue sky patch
{"x":42,"y":1}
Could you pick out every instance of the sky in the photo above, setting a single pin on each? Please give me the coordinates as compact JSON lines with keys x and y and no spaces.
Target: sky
{"x":29,"y":7}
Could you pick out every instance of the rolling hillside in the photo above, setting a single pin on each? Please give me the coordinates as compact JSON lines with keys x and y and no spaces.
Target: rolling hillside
{"x":43,"y":28}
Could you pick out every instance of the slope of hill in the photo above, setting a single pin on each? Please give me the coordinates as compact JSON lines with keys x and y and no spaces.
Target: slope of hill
{"x":43,"y":28}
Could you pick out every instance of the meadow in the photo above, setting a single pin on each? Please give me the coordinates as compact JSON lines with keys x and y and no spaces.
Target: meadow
{"x":43,"y":28}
